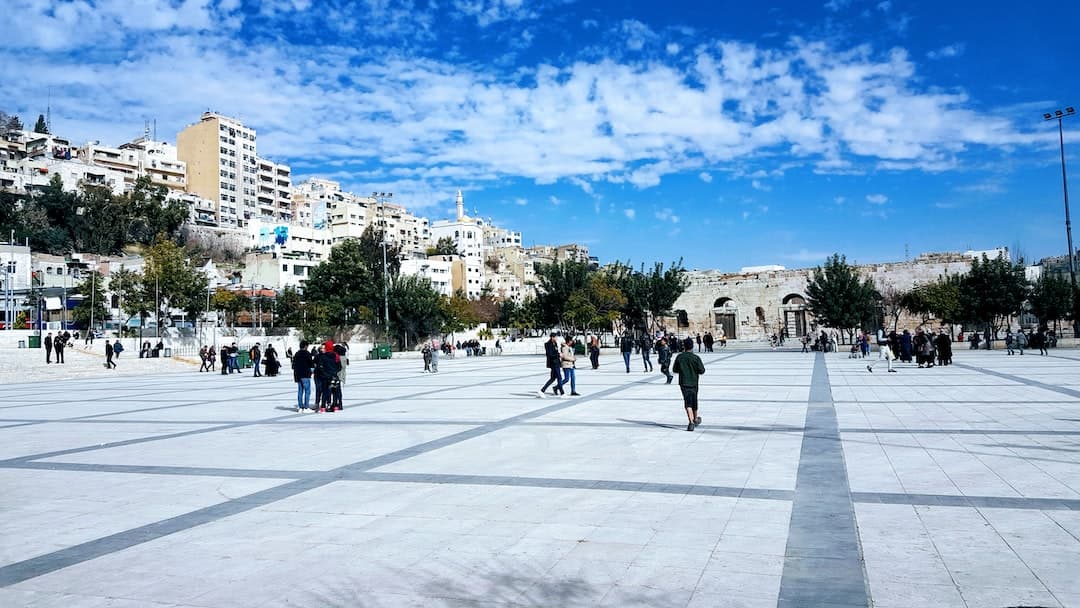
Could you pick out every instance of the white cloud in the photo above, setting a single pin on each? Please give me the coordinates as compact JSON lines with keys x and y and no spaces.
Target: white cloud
{"x":877,"y":199}
{"x":521,"y":202}
{"x":437,"y":123}
{"x":951,"y":50}
{"x":757,"y":185}
{"x":666,"y":215}
{"x":673,"y":48}
{"x":804,"y":255}
{"x":839,"y":200}
{"x":637,"y":34}
{"x":745,"y":215}
{"x":990,"y":186}
{"x":629,"y":213}
{"x":555,"y":200}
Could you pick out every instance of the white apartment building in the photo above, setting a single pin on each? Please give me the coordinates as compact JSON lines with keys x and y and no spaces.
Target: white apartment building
{"x":467,"y":233}
{"x":28,"y":161}
{"x":273,"y":191}
{"x":437,"y":269}
{"x":140,"y":157}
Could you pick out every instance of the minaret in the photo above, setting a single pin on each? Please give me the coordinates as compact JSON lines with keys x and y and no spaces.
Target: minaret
{"x":460,"y":206}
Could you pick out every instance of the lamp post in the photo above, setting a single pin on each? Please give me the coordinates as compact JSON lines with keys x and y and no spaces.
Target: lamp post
{"x":380,"y":198}
{"x":1060,"y":115}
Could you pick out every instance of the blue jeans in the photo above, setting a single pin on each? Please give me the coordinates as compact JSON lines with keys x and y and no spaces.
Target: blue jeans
{"x":303,"y":393}
{"x":626,"y":360}
{"x":571,"y":377}
{"x":645,"y":359}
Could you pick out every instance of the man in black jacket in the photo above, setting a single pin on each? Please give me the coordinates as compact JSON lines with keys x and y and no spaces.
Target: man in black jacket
{"x":302,"y":365}
{"x":48,"y":347}
{"x":554,"y":364}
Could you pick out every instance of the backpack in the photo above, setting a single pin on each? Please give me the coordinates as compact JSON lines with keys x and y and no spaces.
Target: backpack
{"x":118,"y":348}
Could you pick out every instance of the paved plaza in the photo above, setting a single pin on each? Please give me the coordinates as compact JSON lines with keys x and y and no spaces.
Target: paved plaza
{"x":811,"y":483}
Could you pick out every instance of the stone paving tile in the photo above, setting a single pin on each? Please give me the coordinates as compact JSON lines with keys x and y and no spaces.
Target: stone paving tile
{"x":463,"y":489}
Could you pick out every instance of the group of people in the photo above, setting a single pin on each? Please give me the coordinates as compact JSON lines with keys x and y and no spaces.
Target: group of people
{"x":924,"y":347}
{"x":230,"y":359}
{"x":707,"y":341}
{"x":561,"y":363}
{"x":1015,"y":343}
{"x":56,"y":346}
{"x":327,"y":364}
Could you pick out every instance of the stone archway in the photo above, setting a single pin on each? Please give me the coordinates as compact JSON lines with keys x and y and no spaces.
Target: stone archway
{"x":725,"y":314}
{"x":794,"y":312}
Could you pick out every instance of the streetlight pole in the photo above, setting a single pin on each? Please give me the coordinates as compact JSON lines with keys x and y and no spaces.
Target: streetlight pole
{"x":380,"y":198}
{"x":1060,"y":115}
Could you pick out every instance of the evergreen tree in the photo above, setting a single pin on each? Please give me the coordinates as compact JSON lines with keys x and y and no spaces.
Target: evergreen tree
{"x":92,"y":307}
{"x":444,"y":246}
{"x":993,"y":290}
{"x":41,"y":126}
{"x":1051,"y":299}
{"x":839,"y":299}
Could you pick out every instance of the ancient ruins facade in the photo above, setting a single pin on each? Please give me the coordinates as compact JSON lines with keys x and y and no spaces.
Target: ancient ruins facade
{"x":756,"y":303}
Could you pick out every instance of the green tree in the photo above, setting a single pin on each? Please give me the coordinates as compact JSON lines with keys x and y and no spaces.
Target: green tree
{"x":650,"y":294}
{"x":228,"y":304}
{"x":174,"y":282}
{"x":289,"y":307}
{"x":92,"y":306}
{"x":938,"y":300}
{"x":993,"y":290}
{"x":416,"y":310}
{"x":457,"y":313}
{"x":47,"y":218}
{"x":1051,"y":299}
{"x":9,"y":122}
{"x":444,"y":246}
{"x":556,"y":283}
{"x":345,"y":290}
{"x":41,"y":126}
{"x":145,"y":213}
{"x":839,"y":299}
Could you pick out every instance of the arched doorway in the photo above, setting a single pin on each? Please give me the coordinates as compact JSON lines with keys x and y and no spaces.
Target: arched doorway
{"x":794,"y":310}
{"x":724,"y":314}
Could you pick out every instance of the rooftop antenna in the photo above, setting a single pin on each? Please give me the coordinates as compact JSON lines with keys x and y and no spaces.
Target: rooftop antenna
{"x":48,"y":111}
{"x":155,"y":129}
{"x":907,"y":256}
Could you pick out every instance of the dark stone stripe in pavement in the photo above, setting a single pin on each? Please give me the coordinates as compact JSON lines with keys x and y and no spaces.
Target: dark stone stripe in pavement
{"x":1034,"y":383}
{"x":575,"y":484}
{"x":823,"y":562}
{"x":27,"y":569}
{"x":959,"y":431}
{"x":979,"y":502}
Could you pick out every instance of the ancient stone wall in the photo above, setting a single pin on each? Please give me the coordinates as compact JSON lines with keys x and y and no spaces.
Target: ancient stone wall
{"x":756,"y":305}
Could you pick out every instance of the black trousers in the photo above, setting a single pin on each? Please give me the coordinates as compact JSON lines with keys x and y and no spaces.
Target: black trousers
{"x":556,"y":376}
{"x":689,"y":397}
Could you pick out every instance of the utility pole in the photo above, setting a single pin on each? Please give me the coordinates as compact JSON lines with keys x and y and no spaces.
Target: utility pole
{"x":1059,"y":115}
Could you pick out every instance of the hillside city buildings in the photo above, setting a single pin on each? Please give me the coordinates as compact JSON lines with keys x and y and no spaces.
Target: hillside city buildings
{"x":248,"y":204}
{"x":279,"y":231}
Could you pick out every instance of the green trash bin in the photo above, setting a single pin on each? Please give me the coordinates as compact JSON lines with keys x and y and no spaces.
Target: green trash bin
{"x":579,"y":348}
{"x":35,"y":342}
{"x":382,"y":351}
{"x":243,"y":360}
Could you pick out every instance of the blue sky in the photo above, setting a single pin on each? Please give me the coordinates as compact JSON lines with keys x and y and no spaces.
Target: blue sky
{"x":725,"y":133}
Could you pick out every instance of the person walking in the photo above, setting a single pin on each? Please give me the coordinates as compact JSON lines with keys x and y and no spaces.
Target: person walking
{"x":255,"y":354}
{"x":568,"y":361}
{"x":699,"y":343}
{"x":1041,"y":341}
{"x":204,"y":356}
{"x":48,"y":347}
{"x":663,"y":355}
{"x":646,"y":346}
{"x":434,"y":359}
{"x":426,"y":353}
{"x":594,"y":352}
{"x":225,"y":365}
{"x":707,"y":339}
{"x":301,"y":368}
{"x":1010,"y":341}
{"x":109,"y":352}
{"x":553,"y":360}
{"x":889,"y":357}
{"x":882,"y":342}
{"x":270,"y":361}
{"x":626,"y":347}
{"x":1021,"y":341}
{"x":689,"y":367}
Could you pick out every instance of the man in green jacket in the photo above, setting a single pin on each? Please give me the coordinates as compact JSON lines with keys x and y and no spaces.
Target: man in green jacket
{"x":689,"y":366}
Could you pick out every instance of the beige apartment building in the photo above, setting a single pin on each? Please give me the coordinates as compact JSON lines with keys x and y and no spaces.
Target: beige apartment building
{"x":222,"y":166}
{"x":274,"y":191}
